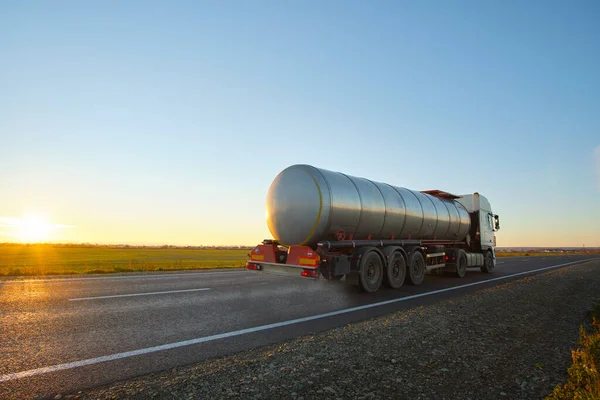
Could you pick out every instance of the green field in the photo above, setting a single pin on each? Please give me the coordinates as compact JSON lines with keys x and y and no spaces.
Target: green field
{"x":17,"y":259}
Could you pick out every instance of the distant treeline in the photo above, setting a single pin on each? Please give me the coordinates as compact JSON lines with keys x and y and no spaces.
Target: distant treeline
{"x":122,"y":246}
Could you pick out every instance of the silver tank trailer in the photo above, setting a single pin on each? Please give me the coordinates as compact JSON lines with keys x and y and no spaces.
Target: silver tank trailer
{"x":306,"y":205}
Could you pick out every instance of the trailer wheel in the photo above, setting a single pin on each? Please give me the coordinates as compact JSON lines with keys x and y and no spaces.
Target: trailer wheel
{"x":395,"y":271}
{"x":371,"y":272}
{"x":488,"y":263}
{"x":416,"y":268}
{"x":461,"y":264}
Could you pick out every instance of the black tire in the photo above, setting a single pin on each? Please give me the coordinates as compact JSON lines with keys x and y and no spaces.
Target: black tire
{"x":488,"y":263}
{"x":415,"y":272}
{"x":395,"y":271}
{"x":370,"y":275}
{"x":461,"y":264}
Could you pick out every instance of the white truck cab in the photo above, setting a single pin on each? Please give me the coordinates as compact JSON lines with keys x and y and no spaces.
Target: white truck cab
{"x":485,"y":222}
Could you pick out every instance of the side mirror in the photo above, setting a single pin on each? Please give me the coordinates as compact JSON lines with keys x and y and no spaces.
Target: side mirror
{"x":497,"y":222}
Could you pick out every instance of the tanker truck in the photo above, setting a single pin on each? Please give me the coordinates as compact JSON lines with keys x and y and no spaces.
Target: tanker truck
{"x":329,"y":225}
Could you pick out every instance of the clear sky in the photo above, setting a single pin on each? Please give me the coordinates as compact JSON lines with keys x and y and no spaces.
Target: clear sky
{"x":166,"y":122}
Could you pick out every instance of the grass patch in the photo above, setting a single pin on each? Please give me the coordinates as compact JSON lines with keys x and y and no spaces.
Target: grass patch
{"x":31,"y":260}
{"x":584,"y":376}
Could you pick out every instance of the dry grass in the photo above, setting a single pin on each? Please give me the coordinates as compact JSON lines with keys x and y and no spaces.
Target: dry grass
{"x":584,"y":376}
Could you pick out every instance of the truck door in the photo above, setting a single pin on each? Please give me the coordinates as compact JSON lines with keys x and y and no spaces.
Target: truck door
{"x":487,"y":224}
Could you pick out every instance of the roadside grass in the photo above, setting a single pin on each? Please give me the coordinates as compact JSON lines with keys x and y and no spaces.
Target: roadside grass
{"x":584,"y":376}
{"x":30,"y":260}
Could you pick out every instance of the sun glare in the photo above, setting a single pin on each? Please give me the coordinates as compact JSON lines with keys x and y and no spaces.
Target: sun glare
{"x":33,"y":228}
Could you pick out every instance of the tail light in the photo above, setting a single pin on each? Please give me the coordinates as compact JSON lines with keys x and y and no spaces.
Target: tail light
{"x":310,"y":273}
{"x":252,"y":266}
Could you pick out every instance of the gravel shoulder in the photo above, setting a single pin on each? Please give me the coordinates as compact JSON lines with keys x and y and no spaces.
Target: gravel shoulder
{"x":511,"y":341}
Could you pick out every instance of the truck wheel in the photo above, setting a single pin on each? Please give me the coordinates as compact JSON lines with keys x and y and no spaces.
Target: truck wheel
{"x":416,"y":268}
{"x":488,"y":263}
{"x":395,"y":271}
{"x":371,"y":272}
{"x":461,"y":264}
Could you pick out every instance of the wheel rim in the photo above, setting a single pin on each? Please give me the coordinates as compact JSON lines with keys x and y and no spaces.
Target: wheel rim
{"x":416,"y":269}
{"x":398,"y":270}
{"x":372,"y":273}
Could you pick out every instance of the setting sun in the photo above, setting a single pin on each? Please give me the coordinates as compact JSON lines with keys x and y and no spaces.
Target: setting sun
{"x":33,"y":228}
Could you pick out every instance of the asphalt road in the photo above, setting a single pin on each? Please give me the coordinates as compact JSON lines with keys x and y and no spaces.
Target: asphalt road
{"x":61,"y":335}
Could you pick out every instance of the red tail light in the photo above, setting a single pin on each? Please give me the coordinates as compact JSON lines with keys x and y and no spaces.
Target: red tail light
{"x":310,"y":273}
{"x":252,"y":266}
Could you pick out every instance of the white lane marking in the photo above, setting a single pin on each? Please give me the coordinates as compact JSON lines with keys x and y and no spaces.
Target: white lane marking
{"x":500,"y":262}
{"x":137,"y":294}
{"x":133,"y":353}
{"x":125,"y":277}
{"x":525,"y":260}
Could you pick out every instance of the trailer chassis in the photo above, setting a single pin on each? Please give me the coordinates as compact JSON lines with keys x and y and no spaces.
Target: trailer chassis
{"x":369,"y":264}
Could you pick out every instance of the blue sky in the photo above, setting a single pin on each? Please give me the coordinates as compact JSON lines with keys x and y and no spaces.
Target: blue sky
{"x":165,"y":122}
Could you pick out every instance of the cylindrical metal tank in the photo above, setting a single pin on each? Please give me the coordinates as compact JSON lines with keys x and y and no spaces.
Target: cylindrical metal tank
{"x":306,"y":205}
